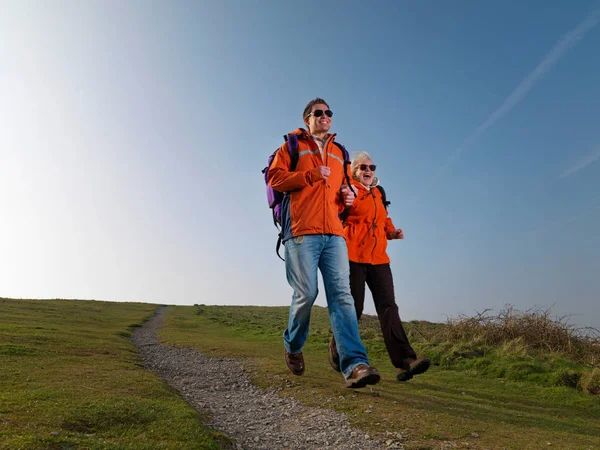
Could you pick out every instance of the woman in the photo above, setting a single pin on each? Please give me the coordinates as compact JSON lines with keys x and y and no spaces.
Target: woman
{"x":367,"y":229}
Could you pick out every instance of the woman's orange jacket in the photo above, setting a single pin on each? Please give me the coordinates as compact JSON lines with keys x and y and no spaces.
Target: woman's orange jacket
{"x":367,"y":227}
{"x":314,"y":203}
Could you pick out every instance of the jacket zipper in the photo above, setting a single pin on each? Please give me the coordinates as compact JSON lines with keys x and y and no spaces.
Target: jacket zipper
{"x":373,"y":226}
{"x":325,"y":159}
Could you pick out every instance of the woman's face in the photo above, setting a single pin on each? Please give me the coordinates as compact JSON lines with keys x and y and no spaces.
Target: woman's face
{"x":365,"y":172}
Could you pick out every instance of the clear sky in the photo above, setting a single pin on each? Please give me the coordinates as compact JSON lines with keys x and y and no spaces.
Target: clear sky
{"x":133,"y":134}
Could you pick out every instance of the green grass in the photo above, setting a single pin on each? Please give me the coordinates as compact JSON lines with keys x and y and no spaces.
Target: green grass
{"x":451,"y":402}
{"x":70,"y":378}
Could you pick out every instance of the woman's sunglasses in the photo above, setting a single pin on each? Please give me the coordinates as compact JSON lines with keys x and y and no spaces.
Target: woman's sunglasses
{"x":320,"y":112}
{"x":364,"y":167}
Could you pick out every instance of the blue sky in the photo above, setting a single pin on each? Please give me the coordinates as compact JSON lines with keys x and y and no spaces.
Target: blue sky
{"x":133,"y":135}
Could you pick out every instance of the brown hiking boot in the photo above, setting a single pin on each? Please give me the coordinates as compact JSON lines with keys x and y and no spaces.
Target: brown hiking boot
{"x":334,"y":357}
{"x":412,"y":367}
{"x":295,"y":362}
{"x":361,"y":376}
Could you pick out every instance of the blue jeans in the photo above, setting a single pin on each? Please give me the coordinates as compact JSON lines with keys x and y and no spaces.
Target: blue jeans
{"x":303,"y":255}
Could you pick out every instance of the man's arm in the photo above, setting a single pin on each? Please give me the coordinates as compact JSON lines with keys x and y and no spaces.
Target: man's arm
{"x":281,"y":179}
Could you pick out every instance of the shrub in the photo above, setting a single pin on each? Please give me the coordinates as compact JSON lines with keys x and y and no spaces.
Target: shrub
{"x":518,"y":333}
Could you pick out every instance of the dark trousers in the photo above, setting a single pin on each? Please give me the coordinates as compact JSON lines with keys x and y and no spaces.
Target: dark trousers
{"x":379,"y":279}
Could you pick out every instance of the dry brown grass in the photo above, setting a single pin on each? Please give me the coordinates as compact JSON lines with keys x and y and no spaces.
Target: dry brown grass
{"x":536,"y":329}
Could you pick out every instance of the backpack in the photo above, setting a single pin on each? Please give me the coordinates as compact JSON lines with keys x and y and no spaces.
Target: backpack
{"x":383,"y":197}
{"x":275,"y":198}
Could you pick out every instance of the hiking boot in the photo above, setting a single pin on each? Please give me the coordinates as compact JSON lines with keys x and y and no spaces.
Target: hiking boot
{"x":295,"y":362}
{"x":361,"y":376}
{"x":412,"y":367}
{"x":334,"y":357}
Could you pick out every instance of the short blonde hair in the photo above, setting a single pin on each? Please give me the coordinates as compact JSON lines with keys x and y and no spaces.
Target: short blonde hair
{"x":357,"y":159}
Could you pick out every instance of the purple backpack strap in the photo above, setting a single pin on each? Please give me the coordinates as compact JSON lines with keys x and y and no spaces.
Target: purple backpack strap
{"x":347,"y":162}
{"x":292,"y":140}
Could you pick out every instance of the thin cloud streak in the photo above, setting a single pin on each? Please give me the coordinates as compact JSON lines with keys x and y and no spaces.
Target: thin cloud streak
{"x":582,"y":164}
{"x":551,"y":58}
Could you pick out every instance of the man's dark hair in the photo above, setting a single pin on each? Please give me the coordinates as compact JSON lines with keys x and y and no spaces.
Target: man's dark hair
{"x":312,"y":103}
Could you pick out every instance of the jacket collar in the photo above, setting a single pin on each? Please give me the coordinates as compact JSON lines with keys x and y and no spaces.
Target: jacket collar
{"x":361,"y":186}
{"x":304,"y":134}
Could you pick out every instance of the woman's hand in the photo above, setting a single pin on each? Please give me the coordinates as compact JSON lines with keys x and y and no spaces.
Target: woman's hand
{"x":396,"y":234}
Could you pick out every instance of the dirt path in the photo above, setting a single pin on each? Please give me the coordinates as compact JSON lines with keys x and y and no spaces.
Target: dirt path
{"x":255,"y":418}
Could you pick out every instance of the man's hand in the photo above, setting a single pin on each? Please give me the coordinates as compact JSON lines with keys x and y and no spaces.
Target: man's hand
{"x":348,"y":195}
{"x":396,"y":234}
{"x":325,"y":172}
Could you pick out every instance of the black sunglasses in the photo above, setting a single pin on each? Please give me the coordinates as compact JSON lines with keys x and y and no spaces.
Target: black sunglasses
{"x":370,"y":166}
{"x":319,"y":113}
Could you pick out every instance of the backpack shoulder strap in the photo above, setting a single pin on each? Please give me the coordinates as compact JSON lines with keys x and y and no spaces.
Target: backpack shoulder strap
{"x":344,"y":214}
{"x":344,"y":151}
{"x":292,"y":140}
{"x":383,"y":196}
{"x":347,"y":162}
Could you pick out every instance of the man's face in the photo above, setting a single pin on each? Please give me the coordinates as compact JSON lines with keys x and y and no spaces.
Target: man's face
{"x":320,"y":124}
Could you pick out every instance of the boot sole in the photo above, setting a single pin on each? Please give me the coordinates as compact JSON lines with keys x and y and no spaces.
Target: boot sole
{"x":372,"y":378}
{"x":404,"y":376}
{"x":421,"y":367}
{"x":334,"y":366}
{"x":418,"y":369}
{"x":292,"y":370}
{"x":332,"y":363}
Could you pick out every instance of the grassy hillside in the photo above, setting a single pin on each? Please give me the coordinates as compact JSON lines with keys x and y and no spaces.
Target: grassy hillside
{"x":70,"y":378}
{"x":457,"y":403}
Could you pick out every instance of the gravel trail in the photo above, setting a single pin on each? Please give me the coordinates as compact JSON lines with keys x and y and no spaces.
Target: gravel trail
{"x":255,"y":418}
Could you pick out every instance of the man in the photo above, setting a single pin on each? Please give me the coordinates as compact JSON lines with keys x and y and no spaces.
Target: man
{"x":314,"y":239}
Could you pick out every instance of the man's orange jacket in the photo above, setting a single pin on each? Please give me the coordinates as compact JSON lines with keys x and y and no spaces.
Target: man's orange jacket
{"x":314,"y":204}
{"x":367,"y":227}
